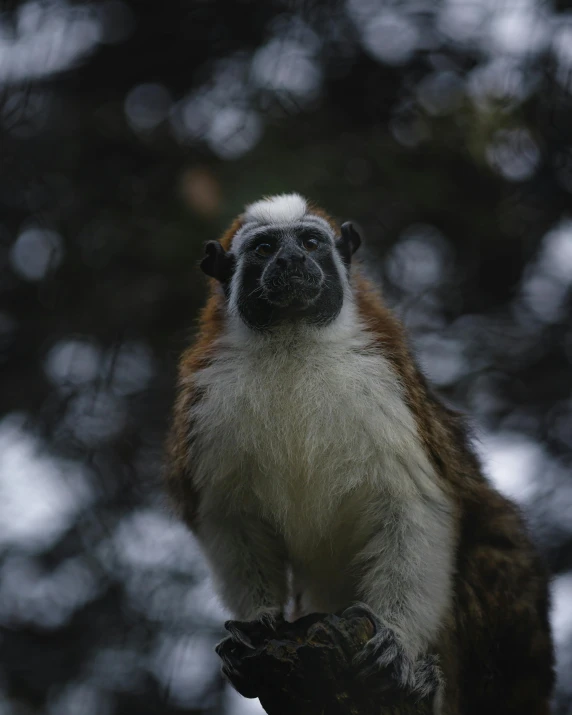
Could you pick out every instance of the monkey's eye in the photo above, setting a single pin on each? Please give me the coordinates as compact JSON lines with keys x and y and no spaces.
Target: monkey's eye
{"x":264,"y":249}
{"x":310,"y":244}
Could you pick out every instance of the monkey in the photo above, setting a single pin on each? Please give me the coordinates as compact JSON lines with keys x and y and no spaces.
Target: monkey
{"x":311,"y":458}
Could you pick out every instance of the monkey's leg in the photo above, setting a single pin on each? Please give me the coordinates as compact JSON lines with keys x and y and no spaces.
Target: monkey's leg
{"x":248,"y":562}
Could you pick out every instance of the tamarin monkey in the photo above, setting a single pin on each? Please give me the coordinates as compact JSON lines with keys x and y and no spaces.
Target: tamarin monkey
{"x":308,"y":453}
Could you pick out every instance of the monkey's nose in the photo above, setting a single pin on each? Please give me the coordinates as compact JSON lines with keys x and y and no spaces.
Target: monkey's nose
{"x":289,"y":259}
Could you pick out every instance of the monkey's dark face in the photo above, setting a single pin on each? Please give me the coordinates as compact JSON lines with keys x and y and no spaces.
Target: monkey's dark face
{"x":288,"y":275}
{"x":285,"y":274}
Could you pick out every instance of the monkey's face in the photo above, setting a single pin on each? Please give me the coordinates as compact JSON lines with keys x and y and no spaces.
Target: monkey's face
{"x":288,"y":275}
{"x":284,"y":272}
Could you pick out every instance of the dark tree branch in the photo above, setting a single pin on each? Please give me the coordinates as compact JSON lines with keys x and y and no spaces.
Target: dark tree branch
{"x":306,"y":668}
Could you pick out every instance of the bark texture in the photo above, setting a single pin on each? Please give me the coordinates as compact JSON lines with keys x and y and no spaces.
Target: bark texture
{"x":306,"y":668}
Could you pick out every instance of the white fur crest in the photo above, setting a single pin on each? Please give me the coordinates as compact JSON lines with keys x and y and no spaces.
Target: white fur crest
{"x":284,"y":211}
{"x":284,"y":208}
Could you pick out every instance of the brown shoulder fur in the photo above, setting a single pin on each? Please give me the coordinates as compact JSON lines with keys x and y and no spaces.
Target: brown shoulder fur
{"x":184,"y":494}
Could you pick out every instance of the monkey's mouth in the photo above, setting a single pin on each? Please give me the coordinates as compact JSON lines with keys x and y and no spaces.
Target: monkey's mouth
{"x":291,"y":289}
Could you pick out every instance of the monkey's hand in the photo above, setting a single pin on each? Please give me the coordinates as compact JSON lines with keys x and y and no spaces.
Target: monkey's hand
{"x":250,"y":632}
{"x":384,"y":653}
{"x":240,"y":652}
{"x":302,"y":667}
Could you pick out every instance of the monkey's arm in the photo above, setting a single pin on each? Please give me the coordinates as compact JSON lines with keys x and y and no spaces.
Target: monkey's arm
{"x":248,"y":562}
{"x":246,"y":556}
{"x":407,"y":583}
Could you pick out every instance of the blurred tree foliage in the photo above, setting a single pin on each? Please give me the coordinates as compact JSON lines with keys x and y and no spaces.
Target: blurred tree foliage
{"x":130,"y":133}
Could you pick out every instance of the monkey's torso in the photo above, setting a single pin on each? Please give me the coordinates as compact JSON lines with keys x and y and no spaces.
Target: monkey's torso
{"x":314,"y":438}
{"x":316,"y":459}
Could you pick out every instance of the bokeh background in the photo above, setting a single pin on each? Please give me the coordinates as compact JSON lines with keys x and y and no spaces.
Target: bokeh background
{"x":131,"y":131}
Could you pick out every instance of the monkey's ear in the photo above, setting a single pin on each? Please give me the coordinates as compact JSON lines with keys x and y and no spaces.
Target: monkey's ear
{"x":349,"y":242}
{"x":217,"y":262}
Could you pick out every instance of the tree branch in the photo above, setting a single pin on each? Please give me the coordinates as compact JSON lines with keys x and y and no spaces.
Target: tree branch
{"x":306,"y":668}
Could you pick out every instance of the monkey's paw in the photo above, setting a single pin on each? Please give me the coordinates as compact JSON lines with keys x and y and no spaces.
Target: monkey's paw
{"x":384,"y":659}
{"x":241,"y":651}
{"x":251,"y":633}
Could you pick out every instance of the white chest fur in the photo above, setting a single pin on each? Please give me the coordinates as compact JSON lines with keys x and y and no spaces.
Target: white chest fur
{"x":308,"y":432}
